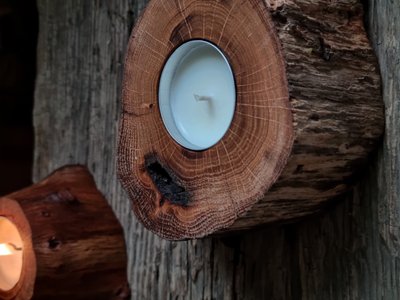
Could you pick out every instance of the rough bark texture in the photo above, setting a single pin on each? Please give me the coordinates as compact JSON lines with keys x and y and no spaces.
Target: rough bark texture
{"x":307,"y":74}
{"x":349,"y":252}
{"x":335,"y":94}
{"x":73,"y":244}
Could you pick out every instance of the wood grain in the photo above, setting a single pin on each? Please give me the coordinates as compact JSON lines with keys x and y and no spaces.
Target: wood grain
{"x":348,"y":252}
{"x":73,"y":244}
{"x":307,"y":75}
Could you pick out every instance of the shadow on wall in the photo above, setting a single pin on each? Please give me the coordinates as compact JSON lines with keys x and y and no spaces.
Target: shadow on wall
{"x":18,"y":37}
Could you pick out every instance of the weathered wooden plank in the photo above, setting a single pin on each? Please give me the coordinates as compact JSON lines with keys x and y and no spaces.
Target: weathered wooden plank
{"x":351,"y":252}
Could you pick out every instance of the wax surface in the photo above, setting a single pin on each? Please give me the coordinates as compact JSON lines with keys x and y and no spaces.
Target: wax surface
{"x":197,"y":95}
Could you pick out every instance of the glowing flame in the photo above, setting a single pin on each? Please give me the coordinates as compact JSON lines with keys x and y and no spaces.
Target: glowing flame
{"x":8,"y":249}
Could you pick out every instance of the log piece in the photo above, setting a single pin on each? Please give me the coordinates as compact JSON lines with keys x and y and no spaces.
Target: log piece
{"x":73,"y":245}
{"x":309,"y":111}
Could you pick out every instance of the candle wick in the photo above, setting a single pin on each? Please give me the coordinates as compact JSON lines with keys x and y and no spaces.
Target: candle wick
{"x":202,"y":98}
{"x":15,"y":247}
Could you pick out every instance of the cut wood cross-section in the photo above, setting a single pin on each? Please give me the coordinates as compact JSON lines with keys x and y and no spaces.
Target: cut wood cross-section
{"x":308,"y":113}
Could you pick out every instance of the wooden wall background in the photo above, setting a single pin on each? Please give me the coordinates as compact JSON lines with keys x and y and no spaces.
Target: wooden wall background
{"x":350,"y":252}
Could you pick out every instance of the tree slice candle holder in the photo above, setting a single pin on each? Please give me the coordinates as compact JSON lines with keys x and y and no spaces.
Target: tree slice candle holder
{"x":308,"y":113}
{"x":72,"y":245}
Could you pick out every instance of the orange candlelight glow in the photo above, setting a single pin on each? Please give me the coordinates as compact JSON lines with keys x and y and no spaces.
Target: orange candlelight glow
{"x":8,"y":249}
{"x":11,"y":254}
{"x":5,"y":249}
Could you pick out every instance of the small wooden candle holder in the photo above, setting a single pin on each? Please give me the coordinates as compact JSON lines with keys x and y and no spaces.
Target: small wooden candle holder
{"x":64,"y":241}
{"x":308,"y":113}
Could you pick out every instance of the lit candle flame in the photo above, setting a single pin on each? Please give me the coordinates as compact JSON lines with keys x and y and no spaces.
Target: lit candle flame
{"x":8,"y":249}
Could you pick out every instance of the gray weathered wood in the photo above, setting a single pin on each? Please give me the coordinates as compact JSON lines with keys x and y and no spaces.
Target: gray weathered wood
{"x":350,"y":252}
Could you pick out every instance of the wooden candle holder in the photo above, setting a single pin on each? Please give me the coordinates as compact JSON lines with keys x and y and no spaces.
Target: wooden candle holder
{"x":308,"y":113}
{"x":73,"y":245}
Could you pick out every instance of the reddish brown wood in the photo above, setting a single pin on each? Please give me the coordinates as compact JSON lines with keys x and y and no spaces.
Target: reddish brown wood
{"x":73,"y":244}
{"x":305,"y":73}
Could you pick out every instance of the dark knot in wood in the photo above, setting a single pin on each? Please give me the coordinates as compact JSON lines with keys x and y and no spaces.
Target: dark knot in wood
{"x":54,"y":243}
{"x":165,"y":183}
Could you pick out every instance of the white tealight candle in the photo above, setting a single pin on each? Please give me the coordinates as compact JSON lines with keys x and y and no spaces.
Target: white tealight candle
{"x":197,"y":95}
{"x":11,"y":254}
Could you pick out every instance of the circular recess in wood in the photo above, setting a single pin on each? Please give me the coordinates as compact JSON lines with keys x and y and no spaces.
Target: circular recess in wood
{"x":178,"y":193}
{"x":197,"y":95}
